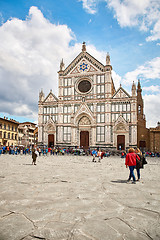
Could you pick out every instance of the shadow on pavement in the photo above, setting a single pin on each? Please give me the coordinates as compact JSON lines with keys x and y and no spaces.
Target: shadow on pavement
{"x":119,"y":181}
{"x":28,"y":164}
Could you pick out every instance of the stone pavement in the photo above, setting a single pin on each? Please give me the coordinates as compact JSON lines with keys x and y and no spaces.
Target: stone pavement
{"x":72,"y":198}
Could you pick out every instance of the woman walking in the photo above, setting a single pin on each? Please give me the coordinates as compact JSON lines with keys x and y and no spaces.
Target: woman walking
{"x":140,"y":163}
{"x":131,"y":162}
{"x":34,"y":156}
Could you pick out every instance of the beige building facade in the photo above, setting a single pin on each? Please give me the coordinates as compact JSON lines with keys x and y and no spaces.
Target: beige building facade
{"x":89,"y":111}
{"x":8,"y":132}
{"x":155,"y":138}
{"x":26,"y":135}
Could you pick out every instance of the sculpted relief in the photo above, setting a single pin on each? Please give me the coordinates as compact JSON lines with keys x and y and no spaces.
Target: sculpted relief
{"x":50,"y":128}
{"x":120,"y":127}
{"x":84,"y":121}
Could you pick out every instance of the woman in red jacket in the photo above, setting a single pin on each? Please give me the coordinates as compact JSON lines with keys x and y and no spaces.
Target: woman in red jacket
{"x":131,"y":162}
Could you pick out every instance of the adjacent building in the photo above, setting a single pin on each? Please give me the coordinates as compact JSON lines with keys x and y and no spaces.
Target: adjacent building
{"x":89,"y":111}
{"x":26,"y":135}
{"x":8,"y":132}
{"x":155,"y":138}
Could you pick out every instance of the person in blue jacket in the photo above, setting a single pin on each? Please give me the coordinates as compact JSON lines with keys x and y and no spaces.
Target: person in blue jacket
{"x":94,"y":154}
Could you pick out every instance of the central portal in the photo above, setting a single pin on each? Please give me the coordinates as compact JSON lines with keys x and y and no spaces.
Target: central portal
{"x":120,"y":142}
{"x":84,"y":139}
{"x":51,"y":140}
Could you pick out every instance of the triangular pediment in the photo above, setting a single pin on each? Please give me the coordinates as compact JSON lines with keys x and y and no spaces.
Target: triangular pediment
{"x":83,"y":110}
{"x":51,"y":98}
{"x":50,"y":125}
{"x":121,"y":93}
{"x":84,"y":63}
{"x":121,"y":124}
{"x":120,"y":119}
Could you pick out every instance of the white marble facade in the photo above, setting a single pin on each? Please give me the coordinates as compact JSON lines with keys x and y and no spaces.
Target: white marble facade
{"x":89,"y":110}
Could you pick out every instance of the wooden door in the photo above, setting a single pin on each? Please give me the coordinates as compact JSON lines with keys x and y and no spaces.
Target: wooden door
{"x":51,"y":140}
{"x":142,"y":144}
{"x":84,"y":139}
{"x":121,"y":142}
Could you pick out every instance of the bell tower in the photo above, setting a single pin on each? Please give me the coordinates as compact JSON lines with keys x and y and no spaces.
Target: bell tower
{"x":140,"y":115}
{"x":142,"y":131}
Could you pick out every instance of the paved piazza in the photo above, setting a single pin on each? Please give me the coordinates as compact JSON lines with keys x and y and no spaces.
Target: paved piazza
{"x":72,"y":198}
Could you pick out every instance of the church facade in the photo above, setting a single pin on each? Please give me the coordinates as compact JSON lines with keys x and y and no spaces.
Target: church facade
{"x":89,"y":111}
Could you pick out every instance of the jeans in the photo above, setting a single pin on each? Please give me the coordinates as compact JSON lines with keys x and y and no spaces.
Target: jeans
{"x":138,"y":173}
{"x":131,"y":168}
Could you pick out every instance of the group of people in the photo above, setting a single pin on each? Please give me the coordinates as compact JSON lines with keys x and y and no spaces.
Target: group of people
{"x":134,"y":160}
{"x":97,"y":153}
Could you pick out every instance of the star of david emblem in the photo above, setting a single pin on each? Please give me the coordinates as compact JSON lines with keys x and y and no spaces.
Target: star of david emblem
{"x":83,"y":66}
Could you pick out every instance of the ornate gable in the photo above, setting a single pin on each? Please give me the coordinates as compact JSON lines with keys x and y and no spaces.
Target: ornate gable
{"x":83,"y":110}
{"x":121,"y":124}
{"x":83,"y":63}
{"x":51,"y":98}
{"x":50,"y":126}
{"x":121,"y":93}
{"x":84,"y":66}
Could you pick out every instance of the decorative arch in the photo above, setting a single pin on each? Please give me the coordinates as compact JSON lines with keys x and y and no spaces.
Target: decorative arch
{"x":84,"y":120}
{"x":120,"y":127}
{"x":50,"y":127}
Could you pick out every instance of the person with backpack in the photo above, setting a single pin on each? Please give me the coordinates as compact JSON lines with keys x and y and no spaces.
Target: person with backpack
{"x":139,"y":163}
{"x":131,"y":163}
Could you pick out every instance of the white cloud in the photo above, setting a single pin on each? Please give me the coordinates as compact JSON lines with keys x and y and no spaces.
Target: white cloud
{"x":152,"y":109}
{"x":152,"y":88}
{"x":116,"y":79}
{"x":30,"y":55}
{"x":150,"y":70}
{"x":155,"y":33}
{"x":143,"y":13}
{"x":89,"y":5}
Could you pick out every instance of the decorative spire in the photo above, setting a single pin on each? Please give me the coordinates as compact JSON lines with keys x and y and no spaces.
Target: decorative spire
{"x":41,"y":95}
{"x":62,"y":66}
{"x":133,"y":89}
{"x":108,"y":59}
{"x":139,"y":86}
{"x":84,"y":47}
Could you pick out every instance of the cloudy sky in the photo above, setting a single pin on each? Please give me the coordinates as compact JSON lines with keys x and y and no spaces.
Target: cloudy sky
{"x":36,"y":34}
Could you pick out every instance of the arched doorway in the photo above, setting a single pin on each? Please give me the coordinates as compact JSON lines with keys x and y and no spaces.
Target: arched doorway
{"x":121,"y":142}
{"x":51,"y":140}
{"x":84,"y":130}
{"x":84,"y":139}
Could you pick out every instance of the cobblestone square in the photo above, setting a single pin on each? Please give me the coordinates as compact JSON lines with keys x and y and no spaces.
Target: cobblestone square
{"x":72,"y":198}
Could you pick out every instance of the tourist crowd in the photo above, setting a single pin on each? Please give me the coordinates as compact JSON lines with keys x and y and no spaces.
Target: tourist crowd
{"x":46,"y":151}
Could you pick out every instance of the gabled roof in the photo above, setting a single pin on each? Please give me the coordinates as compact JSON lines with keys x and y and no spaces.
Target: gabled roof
{"x":83,"y":110}
{"x":121,"y":93}
{"x":51,"y":98}
{"x":86,"y":56}
{"x":120,"y":120}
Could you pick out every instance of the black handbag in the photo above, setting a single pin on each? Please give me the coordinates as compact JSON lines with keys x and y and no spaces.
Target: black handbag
{"x":144,"y":161}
